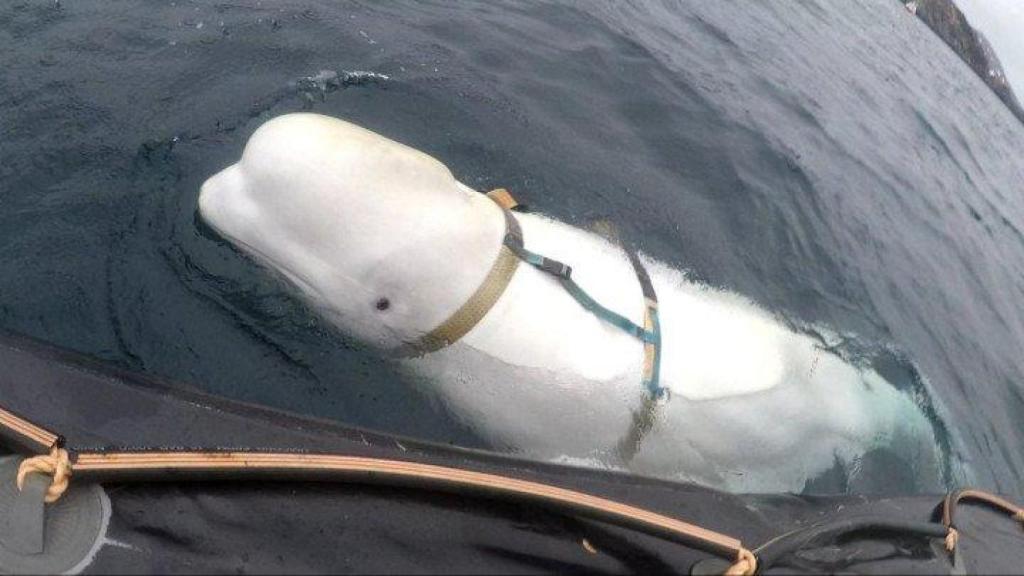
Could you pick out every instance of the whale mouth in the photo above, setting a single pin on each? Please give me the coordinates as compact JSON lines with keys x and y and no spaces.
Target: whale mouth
{"x":261,"y":257}
{"x":213,"y":212}
{"x":291,"y":275}
{"x":217,"y":216}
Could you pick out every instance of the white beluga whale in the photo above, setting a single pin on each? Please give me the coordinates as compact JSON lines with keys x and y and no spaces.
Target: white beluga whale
{"x":384,"y":243}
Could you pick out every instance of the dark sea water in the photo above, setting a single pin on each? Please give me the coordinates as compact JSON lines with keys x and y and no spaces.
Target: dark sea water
{"x":833,"y":161}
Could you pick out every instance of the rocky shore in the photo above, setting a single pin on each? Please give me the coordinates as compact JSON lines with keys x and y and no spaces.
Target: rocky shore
{"x":950,"y":24}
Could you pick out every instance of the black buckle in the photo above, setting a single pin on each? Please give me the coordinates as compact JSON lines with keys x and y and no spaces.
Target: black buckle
{"x":555,"y":268}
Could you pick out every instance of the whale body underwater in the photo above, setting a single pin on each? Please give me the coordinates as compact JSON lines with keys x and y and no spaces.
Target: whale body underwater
{"x":383,"y":242}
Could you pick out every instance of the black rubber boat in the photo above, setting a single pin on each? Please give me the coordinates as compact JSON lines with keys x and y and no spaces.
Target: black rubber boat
{"x":162,"y":478}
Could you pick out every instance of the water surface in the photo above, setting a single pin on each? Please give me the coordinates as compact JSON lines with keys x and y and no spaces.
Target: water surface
{"x":834,"y":162}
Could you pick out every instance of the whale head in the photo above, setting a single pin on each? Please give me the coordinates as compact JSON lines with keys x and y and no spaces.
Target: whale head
{"x":376,"y":236}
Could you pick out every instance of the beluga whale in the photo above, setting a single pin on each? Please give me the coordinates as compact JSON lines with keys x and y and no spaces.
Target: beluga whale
{"x":552,"y":341}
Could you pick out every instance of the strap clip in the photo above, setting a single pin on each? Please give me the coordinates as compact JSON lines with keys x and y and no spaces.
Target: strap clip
{"x":556,"y":268}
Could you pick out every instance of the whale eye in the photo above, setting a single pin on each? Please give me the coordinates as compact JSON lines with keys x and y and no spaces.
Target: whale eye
{"x":383,"y":304}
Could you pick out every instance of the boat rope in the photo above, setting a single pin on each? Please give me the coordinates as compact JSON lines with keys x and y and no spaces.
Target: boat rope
{"x":949,"y":506}
{"x":56,"y":464}
{"x":160,"y":465}
{"x":27,"y":435}
{"x":61,"y":464}
{"x":746,"y":564}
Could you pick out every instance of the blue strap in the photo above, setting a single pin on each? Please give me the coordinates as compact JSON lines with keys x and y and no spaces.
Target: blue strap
{"x":563,"y":272}
{"x":564,"y":275}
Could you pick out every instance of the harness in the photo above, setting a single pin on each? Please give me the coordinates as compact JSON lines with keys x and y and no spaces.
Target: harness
{"x":512,"y":252}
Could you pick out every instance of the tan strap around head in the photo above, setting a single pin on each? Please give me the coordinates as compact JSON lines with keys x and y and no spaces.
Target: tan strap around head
{"x":503,"y":198}
{"x":479,"y":304}
{"x":483,"y":299}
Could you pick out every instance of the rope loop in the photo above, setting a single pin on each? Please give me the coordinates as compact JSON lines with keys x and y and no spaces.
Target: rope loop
{"x":55,"y":464}
{"x":952,"y":537}
{"x":746,"y":564}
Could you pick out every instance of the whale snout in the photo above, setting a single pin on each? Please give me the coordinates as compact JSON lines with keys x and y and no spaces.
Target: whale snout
{"x":222,"y":202}
{"x":211,"y":197}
